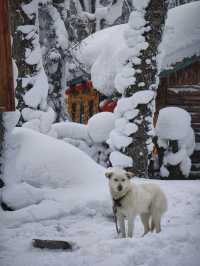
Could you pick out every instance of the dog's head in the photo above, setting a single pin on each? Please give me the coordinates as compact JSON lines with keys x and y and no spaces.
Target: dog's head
{"x":119,"y":180}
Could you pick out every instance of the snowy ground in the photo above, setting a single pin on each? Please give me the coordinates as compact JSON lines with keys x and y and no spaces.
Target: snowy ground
{"x":93,"y":232}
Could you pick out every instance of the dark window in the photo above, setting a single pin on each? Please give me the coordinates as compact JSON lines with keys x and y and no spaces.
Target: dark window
{"x":81,"y":112}
{"x":73,"y":111}
{"x":91,"y":108}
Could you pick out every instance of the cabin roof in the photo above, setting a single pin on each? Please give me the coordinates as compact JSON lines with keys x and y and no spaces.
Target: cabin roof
{"x":181,"y":37}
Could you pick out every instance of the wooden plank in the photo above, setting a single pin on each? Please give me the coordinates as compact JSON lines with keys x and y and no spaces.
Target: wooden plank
{"x":184,"y":93}
{"x":183,"y":101}
{"x":7,"y":100}
{"x":196,"y":119}
{"x":190,"y":109}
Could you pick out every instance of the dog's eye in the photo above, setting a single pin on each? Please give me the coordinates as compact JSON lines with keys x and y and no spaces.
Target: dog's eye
{"x":116,"y":180}
{"x":123,"y":180}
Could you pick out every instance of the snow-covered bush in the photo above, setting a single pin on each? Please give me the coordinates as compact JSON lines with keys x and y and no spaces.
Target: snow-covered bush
{"x":90,"y":138}
{"x":176,"y":138}
{"x":100,"y":125}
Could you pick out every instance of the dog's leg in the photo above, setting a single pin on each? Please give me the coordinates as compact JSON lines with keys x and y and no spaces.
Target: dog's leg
{"x":131,"y":219}
{"x":156,"y":221}
{"x":145,"y":220}
{"x":122,"y":225}
{"x":152,"y":227}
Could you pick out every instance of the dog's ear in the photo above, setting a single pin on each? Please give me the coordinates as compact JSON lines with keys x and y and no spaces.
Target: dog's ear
{"x":130,"y":175}
{"x":108,"y":174}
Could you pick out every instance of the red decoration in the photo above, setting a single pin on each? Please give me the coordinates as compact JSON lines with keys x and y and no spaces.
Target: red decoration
{"x":109,"y":106}
{"x":80,"y":87}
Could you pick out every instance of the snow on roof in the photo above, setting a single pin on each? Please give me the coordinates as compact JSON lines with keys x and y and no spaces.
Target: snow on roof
{"x":104,"y":51}
{"x":182,"y":34}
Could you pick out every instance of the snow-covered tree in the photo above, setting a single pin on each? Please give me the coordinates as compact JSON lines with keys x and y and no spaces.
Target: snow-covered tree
{"x":54,"y":43}
{"x":32,"y":84}
{"x":108,"y":12}
{"x":173,"y":3}
{"x":63,"y":24}
{"x":138,"y":80}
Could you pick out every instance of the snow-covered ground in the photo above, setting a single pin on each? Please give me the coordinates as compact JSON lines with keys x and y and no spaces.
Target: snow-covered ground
{"x":74,"y":204}
{"x":94,"y":235}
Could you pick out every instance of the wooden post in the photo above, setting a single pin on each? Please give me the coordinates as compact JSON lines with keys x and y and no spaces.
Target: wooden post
{"x":7,"y":99}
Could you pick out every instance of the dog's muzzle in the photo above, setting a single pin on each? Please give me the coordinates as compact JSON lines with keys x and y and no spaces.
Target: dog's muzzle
{"x":119,"y":187}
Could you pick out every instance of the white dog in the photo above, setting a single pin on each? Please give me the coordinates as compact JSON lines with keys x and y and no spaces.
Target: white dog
{"x":130,"y":200}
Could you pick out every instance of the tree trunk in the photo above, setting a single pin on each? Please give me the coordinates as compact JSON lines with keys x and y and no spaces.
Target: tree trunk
{"x":20,"y":44}
{"x":155,"y":16}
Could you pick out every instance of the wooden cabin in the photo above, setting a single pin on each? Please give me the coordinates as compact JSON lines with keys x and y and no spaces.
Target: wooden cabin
{"x":82,"y":100}
{"x":180,"y":86}
{"x":7,"y":99}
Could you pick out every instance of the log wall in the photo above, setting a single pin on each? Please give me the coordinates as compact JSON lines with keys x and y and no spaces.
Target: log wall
{"x":182,"y":89}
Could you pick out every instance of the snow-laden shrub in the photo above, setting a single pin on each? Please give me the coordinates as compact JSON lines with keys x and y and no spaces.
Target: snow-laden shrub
{"x":90,"y":138}
{"x":176,"y":138}
{"x":100,"y":125}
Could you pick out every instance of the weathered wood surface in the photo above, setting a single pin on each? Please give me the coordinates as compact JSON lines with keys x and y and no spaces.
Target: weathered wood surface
{"x":7,"y":101}
{"x":52,"y":244}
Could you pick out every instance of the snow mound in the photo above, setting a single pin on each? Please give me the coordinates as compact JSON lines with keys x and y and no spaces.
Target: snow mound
{"x":100,"y":126}
{"x":173,"y":123}
{"x":48,"y":163}
{"x":21,"y":195}
{"x":120,"y":160}
{"x":71,"y":130}
{"x":181,"y":37}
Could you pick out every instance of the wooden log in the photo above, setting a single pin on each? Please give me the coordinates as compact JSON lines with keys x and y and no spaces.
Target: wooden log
{"x":52,"y":244}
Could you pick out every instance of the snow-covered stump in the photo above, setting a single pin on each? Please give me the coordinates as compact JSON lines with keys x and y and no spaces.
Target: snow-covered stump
{"x":175,"y":142}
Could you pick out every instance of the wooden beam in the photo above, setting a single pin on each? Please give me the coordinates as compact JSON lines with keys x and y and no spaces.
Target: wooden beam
{"x":7,"y":99}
